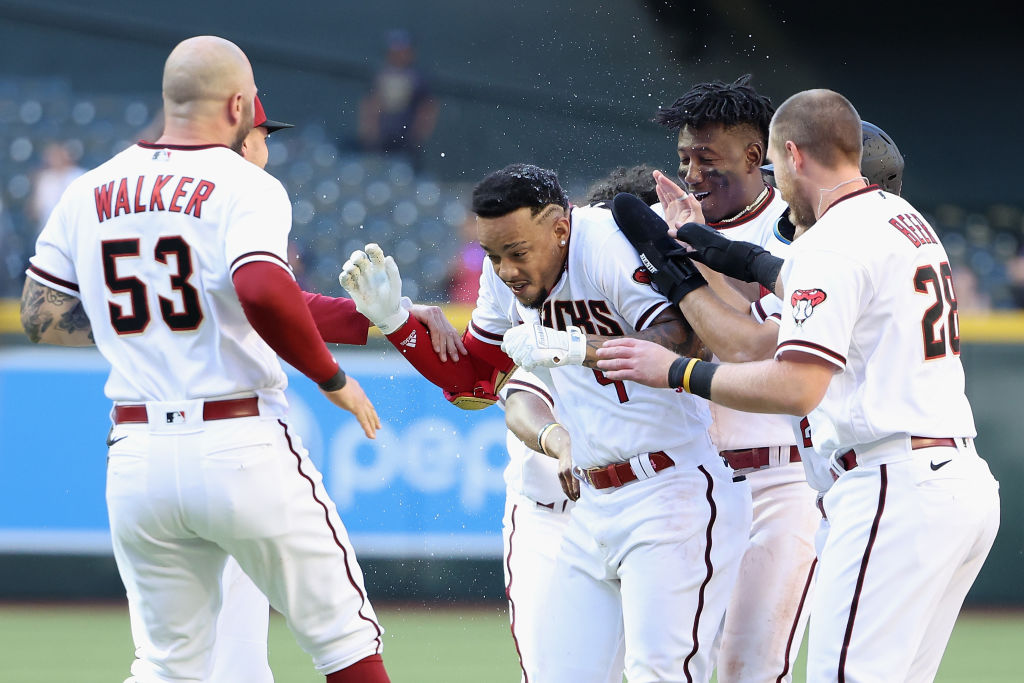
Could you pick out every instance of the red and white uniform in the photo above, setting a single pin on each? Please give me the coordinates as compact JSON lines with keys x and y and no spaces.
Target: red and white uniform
{"x":150,"y":242}
{"x":914,"y":510}
{"x":768,"y":610}
{"x":652,"y":561}
{"x":536,"y":516}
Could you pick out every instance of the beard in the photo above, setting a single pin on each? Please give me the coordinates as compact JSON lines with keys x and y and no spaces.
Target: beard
{"x":538,"y":301}
{"x":244,"y":127}
{"x":801,"y":213}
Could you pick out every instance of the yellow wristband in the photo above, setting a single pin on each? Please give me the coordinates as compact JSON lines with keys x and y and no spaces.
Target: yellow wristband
{"x":687,"y":372}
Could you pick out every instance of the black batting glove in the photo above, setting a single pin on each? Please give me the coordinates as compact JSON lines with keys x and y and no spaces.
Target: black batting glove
{"x":667,"y":263}
{"x":740,"y":260}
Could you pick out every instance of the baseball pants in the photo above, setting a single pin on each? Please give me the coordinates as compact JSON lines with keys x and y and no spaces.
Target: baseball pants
{"x":532,"y":535}
{"x":904,"y":544}
{"x":240,"y":648}
{"x":768,"y":610}
{"x":182,"y":497}
{"x":651,"y":563}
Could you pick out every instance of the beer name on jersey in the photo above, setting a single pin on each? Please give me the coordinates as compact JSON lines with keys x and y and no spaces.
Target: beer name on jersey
{"x":914,"y":228}
{"x":593,"y":317}
{"x":165,"y":193}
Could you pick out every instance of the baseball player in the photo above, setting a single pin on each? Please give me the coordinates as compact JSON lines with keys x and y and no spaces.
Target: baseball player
{"x":536,"y":508}
{"x":722,"y":140}
{"x":868,"y":357}
{"x":652,"y":545}
{"x":171,"y":258}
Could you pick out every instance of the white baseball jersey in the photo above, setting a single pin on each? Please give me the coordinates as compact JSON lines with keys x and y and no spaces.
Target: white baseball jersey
{"x":529,"y":473}
{"x":157,"y":289}
{"x":609,"y":421}
{"x":733,"y":429}
{"x":869,"y":289}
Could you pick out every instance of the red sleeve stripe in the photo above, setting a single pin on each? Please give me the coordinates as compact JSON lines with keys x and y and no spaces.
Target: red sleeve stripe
{"x":484,"y":334}
{"x":818,"y":350}
{"x":53,"y":278}
{"x":762,"y":314}
{"x":649,"y":314}
{"x":251,"y":256}
{"x":533,"y":389}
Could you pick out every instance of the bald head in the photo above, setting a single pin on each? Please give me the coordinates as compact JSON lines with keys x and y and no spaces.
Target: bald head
{"x":205,"y":68}
{"x":208,"y":92}
{"x":822,"y":124}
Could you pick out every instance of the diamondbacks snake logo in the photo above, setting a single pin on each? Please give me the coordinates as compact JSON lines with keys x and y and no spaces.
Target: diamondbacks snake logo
{"x":803,"y":302}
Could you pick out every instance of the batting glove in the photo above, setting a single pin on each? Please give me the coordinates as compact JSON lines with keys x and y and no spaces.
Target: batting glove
{"x":741,"y":260}
{"x":532,"y":346}
{"x":373,"y":282}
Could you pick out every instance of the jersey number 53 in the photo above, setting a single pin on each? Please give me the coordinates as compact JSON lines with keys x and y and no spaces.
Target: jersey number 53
{"x":190,"y":314}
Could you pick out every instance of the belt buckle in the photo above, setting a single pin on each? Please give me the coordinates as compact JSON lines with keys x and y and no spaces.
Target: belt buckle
{"x":583,"y":475}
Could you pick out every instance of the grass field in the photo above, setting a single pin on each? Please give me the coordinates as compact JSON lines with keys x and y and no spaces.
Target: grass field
{"x":91,"y":644}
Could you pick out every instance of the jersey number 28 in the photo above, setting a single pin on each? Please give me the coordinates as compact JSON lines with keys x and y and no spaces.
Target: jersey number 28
{"x":933,"y":327}
{"x":190,"y":315}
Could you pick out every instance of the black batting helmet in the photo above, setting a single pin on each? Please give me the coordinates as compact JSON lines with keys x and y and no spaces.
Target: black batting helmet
{"x":880,"y":161}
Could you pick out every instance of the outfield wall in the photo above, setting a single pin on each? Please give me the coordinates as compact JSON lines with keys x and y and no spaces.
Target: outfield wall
{"x":423,"y":503}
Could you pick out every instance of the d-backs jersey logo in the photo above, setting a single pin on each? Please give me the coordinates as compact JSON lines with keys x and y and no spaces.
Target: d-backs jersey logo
{"x":804,"y":301}
{"x":642,"y":276}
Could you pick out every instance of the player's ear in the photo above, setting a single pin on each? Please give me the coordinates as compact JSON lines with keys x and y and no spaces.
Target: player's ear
{"x":755,"y":156}
{"x":235,"y":109}
{"x":561,"y":226}
{"x":794,"y":155}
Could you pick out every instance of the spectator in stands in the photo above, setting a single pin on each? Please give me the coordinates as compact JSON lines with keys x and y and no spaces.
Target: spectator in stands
{"x":58,"y":171}
{"x":970,"y":298}
{"x":399,"y":114}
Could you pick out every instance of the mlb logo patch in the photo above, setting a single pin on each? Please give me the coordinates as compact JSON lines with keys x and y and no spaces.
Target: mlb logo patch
{"x":176,"y":417}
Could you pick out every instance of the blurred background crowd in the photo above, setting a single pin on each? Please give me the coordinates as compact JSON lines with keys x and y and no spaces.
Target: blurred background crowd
{"x":395,"y":121}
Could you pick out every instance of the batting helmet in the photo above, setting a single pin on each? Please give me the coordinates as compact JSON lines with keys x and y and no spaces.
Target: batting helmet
{"x":880,"y":161}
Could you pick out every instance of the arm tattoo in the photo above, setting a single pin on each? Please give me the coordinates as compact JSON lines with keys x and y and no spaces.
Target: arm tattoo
{"x":33,"y":319}
{"x":669,"y":329}
{"x":75,"y":321}
{"x":54,"y":317}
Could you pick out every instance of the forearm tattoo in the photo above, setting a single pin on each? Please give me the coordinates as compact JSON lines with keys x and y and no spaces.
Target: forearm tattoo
{"x":45,"y":310}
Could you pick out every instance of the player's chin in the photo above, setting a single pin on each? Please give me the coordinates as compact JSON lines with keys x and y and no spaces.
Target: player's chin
{"x":532,"y":298}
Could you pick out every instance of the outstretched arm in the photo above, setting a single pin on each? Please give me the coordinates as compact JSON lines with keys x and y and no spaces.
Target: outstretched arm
{"x":53,"y":317}
{"x":791,"y":385}
{"x":471,"y":381}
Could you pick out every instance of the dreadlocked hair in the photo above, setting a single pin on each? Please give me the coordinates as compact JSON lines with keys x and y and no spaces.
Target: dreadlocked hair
{"x":730,"y":104}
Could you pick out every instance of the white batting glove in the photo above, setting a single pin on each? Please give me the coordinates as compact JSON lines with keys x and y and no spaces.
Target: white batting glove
{"x":373,"y":282}
{"x":532,"y":346}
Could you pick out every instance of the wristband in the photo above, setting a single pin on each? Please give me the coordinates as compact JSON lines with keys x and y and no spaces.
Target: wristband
{"x":542,"y":435}
{"x":692,"y":375}
{"x":334,"y":383}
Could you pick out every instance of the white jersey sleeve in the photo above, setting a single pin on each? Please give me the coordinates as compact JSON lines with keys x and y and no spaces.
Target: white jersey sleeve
{"x":53,"y":263}
{"x":825,"y":293}
{"x":259,"y":232}
{"x":495,"y":310}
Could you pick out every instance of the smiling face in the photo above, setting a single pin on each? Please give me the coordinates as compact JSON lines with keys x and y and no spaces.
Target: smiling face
{"x":721,"y":166}
{"x":526,"y":251}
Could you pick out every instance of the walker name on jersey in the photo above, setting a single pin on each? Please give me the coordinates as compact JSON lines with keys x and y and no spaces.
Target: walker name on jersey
{"x":148,"y":194}
{"x":593,"y":317}
{"x":914,"y":228}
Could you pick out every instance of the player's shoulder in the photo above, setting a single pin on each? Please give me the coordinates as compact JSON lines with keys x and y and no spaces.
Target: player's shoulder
{"x":593,"y":226}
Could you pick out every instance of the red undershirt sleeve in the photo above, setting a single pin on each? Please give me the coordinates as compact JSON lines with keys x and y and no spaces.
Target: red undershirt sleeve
{"x":276,"y":309}
{"x":469,"y":375}
{"x":337,"y":319}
